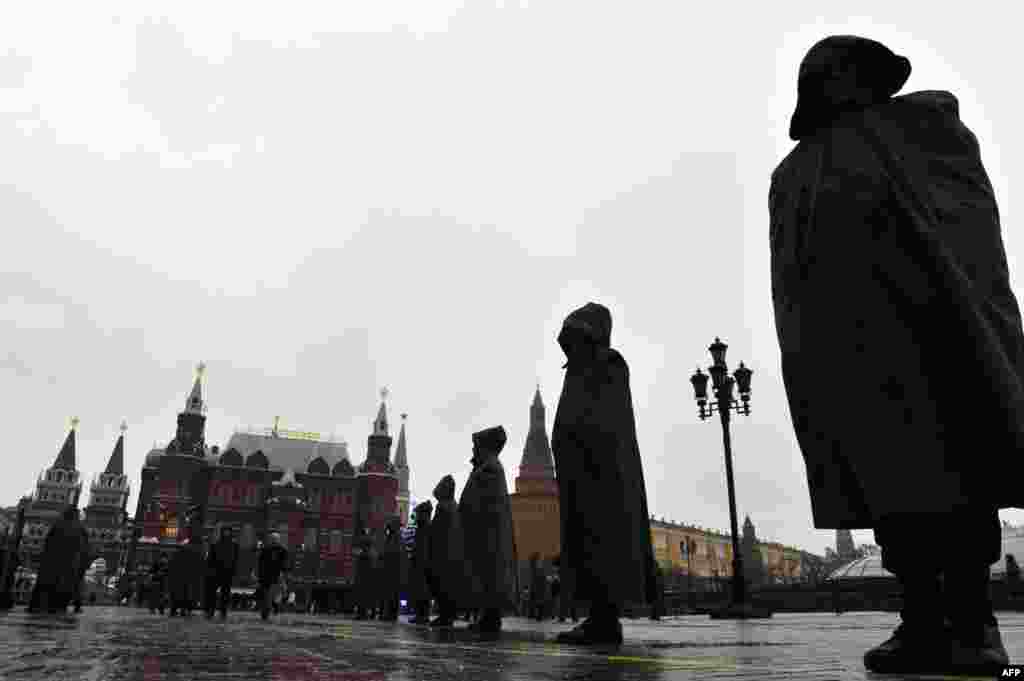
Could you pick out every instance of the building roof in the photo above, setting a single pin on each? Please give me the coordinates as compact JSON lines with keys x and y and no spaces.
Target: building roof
{"x":285,"y":452}
{"x":868,"y":566}
{"x":1013,"y":544}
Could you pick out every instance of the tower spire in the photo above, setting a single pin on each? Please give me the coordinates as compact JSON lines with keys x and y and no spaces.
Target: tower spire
{"x":380,"y":426}
{"x":401,"y":458}
{"x":537,"y":468}
{"x":66,"y":456}
{"x":194,"y":404}
{"x":116,"y":463}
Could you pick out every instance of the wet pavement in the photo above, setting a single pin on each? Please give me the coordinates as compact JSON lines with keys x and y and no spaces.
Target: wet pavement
{"x":130,"y":644}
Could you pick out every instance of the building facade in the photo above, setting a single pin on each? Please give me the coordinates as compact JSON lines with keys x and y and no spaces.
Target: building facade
{"x":297,"y":484}
{"x":709,"y":555}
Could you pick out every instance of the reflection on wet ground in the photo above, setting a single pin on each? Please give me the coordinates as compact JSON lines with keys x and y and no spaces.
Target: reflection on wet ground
{"x":130,"y":644}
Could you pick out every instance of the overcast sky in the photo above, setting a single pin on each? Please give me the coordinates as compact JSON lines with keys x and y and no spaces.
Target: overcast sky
{"x":320,"y":202}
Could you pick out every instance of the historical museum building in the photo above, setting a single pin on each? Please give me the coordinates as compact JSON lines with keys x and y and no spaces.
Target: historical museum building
{"x":295,"y":483}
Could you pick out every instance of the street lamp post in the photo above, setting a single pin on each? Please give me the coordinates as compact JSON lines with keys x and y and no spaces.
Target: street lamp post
{"x":725,"y":404}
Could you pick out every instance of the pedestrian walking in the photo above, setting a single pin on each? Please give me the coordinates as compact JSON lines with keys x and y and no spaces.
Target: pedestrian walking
{"x":367,"y":577}
{"x":556,"y":596}
{"x":606,"y":540}
{"x":158,"y":574}
{"x":538,"y":589}
{"x":221,"y":563}
{"x":390,"y":573}
{"x":60,"y":565}
{"x":271,"y":565}
{"x":185,"y":571}
{"x":892,"y":292}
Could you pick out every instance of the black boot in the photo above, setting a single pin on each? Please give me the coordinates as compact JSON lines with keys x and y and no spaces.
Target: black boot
{"x":446,"y":616}
{"x":601,"y":628}
{"x":921,"y":642}
{"x":976,"y":647}
{"x":488,"y":623}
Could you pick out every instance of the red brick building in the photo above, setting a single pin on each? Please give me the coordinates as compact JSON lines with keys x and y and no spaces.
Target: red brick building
{"x":298,"y":484}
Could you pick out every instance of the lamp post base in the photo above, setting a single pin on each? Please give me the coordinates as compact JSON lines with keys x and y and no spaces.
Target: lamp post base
{"x":741,"y":611}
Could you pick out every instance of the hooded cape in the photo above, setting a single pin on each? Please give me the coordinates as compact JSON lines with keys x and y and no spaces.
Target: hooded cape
{"x":900,"y":337}
{"x":419,"y":589}
{"x":606,"y":537}
{"x":449,"y":573}
{"x":486,"y":514}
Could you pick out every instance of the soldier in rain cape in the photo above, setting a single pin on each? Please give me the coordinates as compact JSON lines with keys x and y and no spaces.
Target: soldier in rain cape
{"x":486,"y":515}
{"x":419,"y":581}
{"x":448,"y":570}
{"x":60,"y":565}
{"x":892,"y":295}
{"x":606,"y":541}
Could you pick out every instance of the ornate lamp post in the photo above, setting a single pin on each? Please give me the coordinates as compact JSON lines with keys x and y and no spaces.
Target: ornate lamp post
{"x":725,"y":403}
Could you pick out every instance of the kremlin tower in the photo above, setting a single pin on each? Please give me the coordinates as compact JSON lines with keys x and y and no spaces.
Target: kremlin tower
{"x":377,"y":482}
{"x":57,"y":488}
{"x":402,"y":466}
{"x":535,"y":511}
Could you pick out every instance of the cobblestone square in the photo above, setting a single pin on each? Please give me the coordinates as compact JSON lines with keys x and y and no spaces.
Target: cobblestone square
{"x":125,"y":644}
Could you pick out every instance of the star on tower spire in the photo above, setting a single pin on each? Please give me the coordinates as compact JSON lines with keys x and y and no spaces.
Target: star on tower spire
{"x":194,"y":404}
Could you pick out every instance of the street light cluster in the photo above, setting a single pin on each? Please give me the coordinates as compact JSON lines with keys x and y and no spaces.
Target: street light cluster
{"x":723,"y":384}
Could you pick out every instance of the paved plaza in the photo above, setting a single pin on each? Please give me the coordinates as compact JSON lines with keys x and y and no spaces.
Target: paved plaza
{"x":130,"y":644}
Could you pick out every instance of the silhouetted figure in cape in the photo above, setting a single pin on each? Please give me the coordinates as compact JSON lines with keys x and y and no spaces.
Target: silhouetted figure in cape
{"x":448,"y":570}
{"x":419,"y":580}
{"x":486,"y":514}
{"x":606,"y":542}
{"x":892,"y":296}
